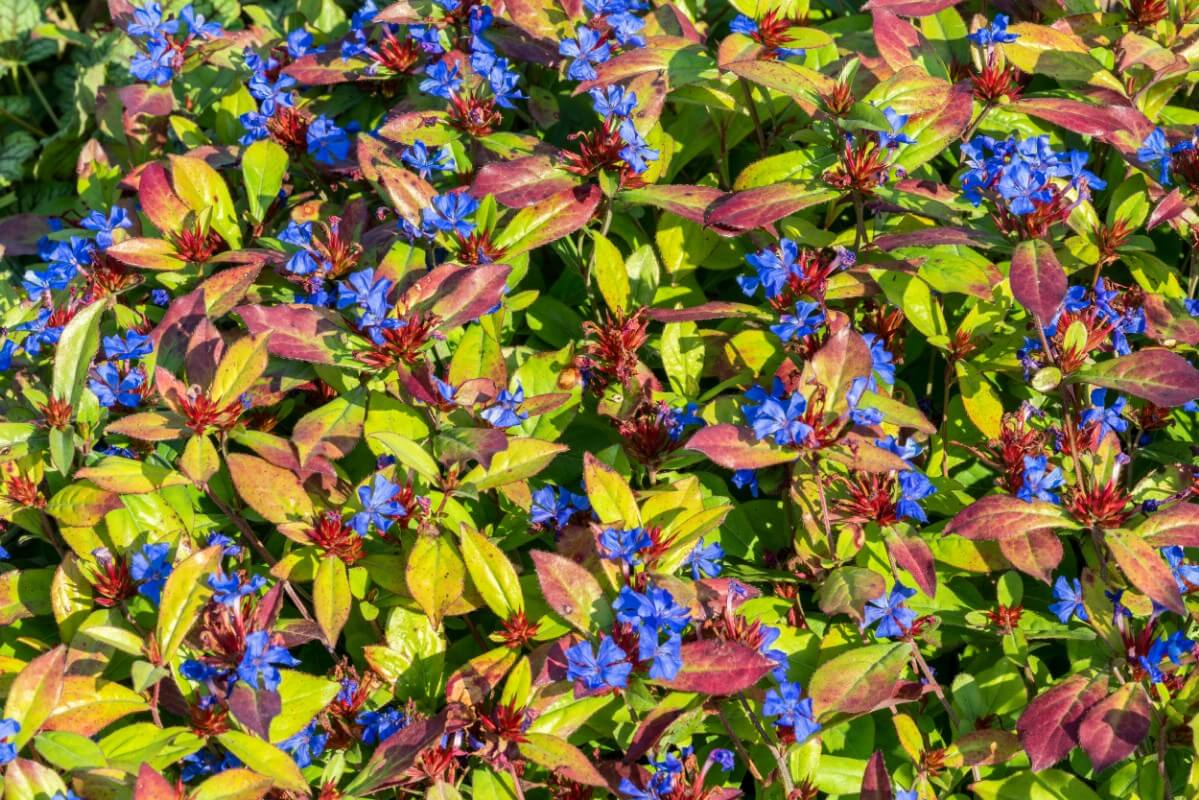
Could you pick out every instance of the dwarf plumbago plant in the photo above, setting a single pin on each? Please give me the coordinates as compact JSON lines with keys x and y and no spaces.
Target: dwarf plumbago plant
{"x":485,"y":400}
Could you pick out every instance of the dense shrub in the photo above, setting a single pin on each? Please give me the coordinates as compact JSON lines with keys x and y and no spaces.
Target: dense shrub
{"x":564,"y":400}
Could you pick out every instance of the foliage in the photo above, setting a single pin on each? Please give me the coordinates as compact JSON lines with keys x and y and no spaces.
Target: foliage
{"x":554,"y":399}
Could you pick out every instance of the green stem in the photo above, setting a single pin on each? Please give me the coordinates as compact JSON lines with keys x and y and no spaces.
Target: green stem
{"x":37,"y":90}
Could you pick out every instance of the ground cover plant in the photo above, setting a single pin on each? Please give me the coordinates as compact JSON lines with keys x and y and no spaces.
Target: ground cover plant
{"x":506,"y":399}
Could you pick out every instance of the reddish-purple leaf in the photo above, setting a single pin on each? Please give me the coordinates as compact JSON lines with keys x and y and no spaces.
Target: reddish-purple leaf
{"x":736,"y":448}
{"x":915,"y":556}
{"x":1038,"y":280}
{"x":739,"y":212}
{"x":1114,"y":728}
{"x":716,"y":309}
{"x":549,"y":220}
{"x":1160,"y":376}
{"x":225,"y":289}
{"x":655,"y":723}
{"x":681,"y":58}
{"x":1167,"y":322}
{"x":151,"y":785}
{"x":143,"y":253}
{"x":254,"y":708}
{"x":999,"y":516}
{"x":984,"y":748}
{"x":458,"y":295}
{"x":473,"y":682}
{"x":859,"y":453}
{"x":303,"y":333}
{"x":688,"y":202}
{"x":876,"y":782}
{"x":895,"y":38}
{"x":846,"y":590}
{"x":561,"y":757}
{"x":571,"y":591}
{"x":719,"y":667}
{"x":171,"y":335}
{"x":1036,"y":553}
{"x":1101,"y":121}
{"x":158,"y":199}
{"x":324,"y":69}
{"x":1049,"y":726}
{"x":19,"y":234}
{"x":858,"y":680}
{"x":841,"y":360}
{"x":1170,"y":208}
{"x":522,"y":181}
{"x":1176,"y":525}
{"x":929,"y":237}
{"x":393,"y":757}
{"x":1144,"y":567}
{"x":911,"y":8}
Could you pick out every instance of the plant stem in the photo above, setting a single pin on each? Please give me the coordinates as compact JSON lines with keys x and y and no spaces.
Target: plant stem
{"x":35,"y":130}
{"x":37,"y":90}
{"x":772,"y":742}
{"x":740,"y":746}
{"x":747,"y":90}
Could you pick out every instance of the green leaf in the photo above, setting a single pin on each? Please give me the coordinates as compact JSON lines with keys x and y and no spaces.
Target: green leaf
{"x":263,"y":166}
{"x":683,"y":356}
{"x":611,"y":498}
{"x":184,"y":594}
{"x":301,"y":697}
{"x":436,"y":575}
{"x":232,"y":784}
{"x":29,"y":780}
{"x":1051,"y":784}
{"x":524,"y":458}
{"x":492,"y":574}
{"x":856,"y":681}
{"x":204,"y":190}
{"x":34,"y":694}
{"x":408,"y":453}
{"x":130,"y":476}
{"x":78,"y":345}
{"x":561,"y":757}
{"x":265,"y":758}
{"x":273,"y":492}
{"x":331,"y":597}
{"x":610,"y":273}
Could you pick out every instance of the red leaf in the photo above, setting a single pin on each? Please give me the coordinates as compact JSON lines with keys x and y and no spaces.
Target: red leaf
{"x":756,"y":208}
{"x":158,"y":199}
{"x":1038,"y":280}
{"x":655,"y":723}
{"x":522,"y":181}
{"x":1102,"y":121}
{"x":1166,"y":321}
{"x":719,"y":667}
{"x":571,"y":591}
{"x":915,"y":556}
{"x":398,"y":752}
{"x":302,"y":333}
{"x":225,"y":289}
{"x":715,"y":309}
{"x":876,"y":783}
{"x":999,"y":516}
{"x":1143,"y":566}
{"x":933,"y":236}
{"x":1049,"y":726}
{"x":736,"y":448}
{"x":549,"y":220}
{"x":151,"y":785}
{"x":1115,"y":727}
{"x":895,"y":38}
{"x":1036,"y":553}
{"x":458,"y":295}
{"x":911,"y":8}
{"x":19,"y":234}
{"x":1160,"y":376}
{"x":1171,"y":207}
{"x":323,"y":69}
{"x":1176,"y":525}
{"x":688,"y":202}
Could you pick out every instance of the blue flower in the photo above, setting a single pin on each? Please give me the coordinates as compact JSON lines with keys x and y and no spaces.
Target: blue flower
{"x":807,"y":318}
{"x":608,"y":668}
{"x":586,"y":51}
{"x":378,"y":726}
{"x":272,"y":95}
{"x":306,"y":744}
{"x":894,"y":618}
{"x":112,"y":389}
{"x":1021,"y":184}
{"x":425,"y":161}
{"x":442,"y":80}
{"x":1040,"y":480}
{"x":157,"y":65}
{"x":229,"y":590}
{"x":613,"y":101}
{"x":883,"y":362}
{"x":666,"y":658}
{"x":134,"y":345}
{"x":197,"y":25}
{"x":908,"y":450}
{"x":704,"y":561}
{"x":1069,"y":600}
{"x":148,"y":23}
{"x":556,"y":510}
{"x":914,"y":486}
{"x":636,"y":153}
{"x":503,"y":80}
{"x":723,"y":759}
{"x":228,"y":546}
{"x":743,"y":25}
{"x":746,"y":479}
{"x":623,"y":544}
{"x":1108,"y":419}
{"x":773,"y":267}
{"x":792,"y":710}
{"x":895,"y":135}
{"x":449,"y":213}
{"x":261,"y":659}
{"x":106,"y":226}
{"x":907,"y":794}
{"x":1156,"y":149}
{"x":205,"y":762}
{"x":151,"y":566}
{"x":1185,"y":575}
{"x":654,"y":611}
{"x":995,"y":33}
{"x":379,"y":506}
{"x":300,"y":43}
{"x":38,"y":284}
{"x":327,"y":142}
{"x":504,"y":412}
{"x":776,"y":416}
{"x":8,"y":729}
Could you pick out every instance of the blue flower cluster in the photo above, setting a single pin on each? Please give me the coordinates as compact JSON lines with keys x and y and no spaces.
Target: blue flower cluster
{"x":654,"y":615}
{"x":1022,"y":173}
{"x":557,"y":508}
{"x":791,"y":710}
{"x":1156,"y":149}
{"x":116,"y":384}
{"x":165,"y":40}
{"x":380,"y":508}
{"x":776,"y":415}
